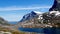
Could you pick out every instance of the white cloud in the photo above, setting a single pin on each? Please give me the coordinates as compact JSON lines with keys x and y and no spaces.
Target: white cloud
{"x":22,"y":8}
{"x":17,"y":17}
{"x":12,"y":17}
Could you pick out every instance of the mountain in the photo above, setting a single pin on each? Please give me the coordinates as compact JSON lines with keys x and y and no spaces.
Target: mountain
{"x":52,"y":17}
{"x":31,"y":15}
{"x":56,"y":6}
{"x":37,"y":19}
{"x":47,"y":17}
{"x":3,"y":22}
{"x":30,"y":19}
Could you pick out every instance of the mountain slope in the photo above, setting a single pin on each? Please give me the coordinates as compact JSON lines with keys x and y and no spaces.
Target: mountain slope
{"x":3,"y":22}
{"x":30,"y":19}
{"x":31,"y":15}
{"x":38,"y":19}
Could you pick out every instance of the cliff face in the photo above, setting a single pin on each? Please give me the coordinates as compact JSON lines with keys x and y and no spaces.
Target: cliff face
{"x":56,"y":6}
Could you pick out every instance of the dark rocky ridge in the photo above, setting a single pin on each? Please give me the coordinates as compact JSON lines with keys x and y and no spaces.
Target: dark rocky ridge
{"x":56,"y":6}
{"x":29,"y":16}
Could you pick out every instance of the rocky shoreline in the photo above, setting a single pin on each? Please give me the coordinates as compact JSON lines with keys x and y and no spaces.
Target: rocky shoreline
{"x":40,"y":25}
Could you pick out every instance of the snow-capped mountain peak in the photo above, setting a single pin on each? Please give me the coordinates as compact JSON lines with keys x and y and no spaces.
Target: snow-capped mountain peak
{"x":31,"y":15}
{"x":54,"y":12}
{"x":38,"y":12}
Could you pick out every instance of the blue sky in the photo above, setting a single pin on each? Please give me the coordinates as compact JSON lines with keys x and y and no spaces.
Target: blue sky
{"x":13,"y":10}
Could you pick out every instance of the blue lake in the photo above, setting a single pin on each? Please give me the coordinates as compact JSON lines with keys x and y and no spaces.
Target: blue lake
{"x":42,"y":30}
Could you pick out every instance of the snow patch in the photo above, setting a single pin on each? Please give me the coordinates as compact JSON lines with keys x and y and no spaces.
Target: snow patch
{"x":55,"y":12}
{"x":38,"y":12}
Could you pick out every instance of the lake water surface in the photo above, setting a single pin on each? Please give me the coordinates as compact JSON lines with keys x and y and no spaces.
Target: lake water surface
{"x":42,"y":30}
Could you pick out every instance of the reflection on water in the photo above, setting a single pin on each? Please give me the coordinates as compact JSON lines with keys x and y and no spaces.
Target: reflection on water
{"x":42,"y":30}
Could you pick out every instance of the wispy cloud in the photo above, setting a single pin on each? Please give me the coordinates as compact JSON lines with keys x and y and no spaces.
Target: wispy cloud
{"x":12,"y":17}
{"x":23,"y":8}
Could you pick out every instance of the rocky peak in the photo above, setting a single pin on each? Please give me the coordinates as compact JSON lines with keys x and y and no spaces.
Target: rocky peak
{"x":31,"y":15}
{"x":56,"y":6}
